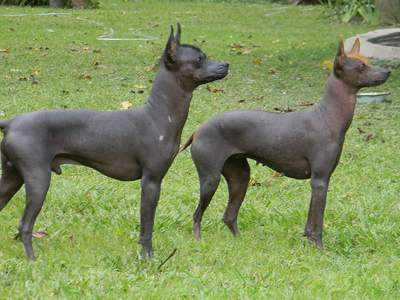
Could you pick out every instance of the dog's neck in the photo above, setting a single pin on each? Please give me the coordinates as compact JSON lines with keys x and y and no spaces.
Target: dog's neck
{"x":338,"y":104}
{"x":169,"y":102}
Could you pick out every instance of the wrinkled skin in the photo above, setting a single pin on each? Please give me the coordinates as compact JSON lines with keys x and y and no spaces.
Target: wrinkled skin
{"x":299,"y":145}
{"x":127,"y":145}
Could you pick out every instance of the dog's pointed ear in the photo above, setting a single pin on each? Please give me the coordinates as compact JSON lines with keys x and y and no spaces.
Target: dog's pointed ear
{"x":340,"y":58}
{"x":178,"y":33}
{"x":356,"y":47}
{"x":170,"y":49}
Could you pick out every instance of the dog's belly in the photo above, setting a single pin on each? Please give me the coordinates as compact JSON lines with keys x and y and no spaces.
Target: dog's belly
{"x":125,"y":171}
{"x":296,"y":168}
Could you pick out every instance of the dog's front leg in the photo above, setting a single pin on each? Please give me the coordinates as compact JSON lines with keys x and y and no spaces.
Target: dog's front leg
{"x":150,"y":195}
{"x":313,"y":230}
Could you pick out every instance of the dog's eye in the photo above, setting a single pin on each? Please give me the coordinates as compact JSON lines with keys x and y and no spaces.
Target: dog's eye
{"x":199,"y":59}
{"x":363,"y":66}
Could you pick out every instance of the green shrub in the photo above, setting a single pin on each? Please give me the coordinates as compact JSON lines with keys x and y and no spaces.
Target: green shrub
{"x":24,"y":2}
{"x":90,"y":3}
{"x":352,"y":10}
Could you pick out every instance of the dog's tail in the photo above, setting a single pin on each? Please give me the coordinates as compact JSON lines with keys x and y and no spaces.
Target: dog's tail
{"x":187,"y":144}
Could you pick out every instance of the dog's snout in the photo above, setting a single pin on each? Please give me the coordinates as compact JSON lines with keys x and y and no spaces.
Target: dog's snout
{"x":223,"y":66}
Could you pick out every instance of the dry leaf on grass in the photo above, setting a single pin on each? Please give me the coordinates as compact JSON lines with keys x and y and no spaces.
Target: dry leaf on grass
{"x":272,"y":71}
{"x":240,"y":49}
{"x":215,"y":90}
{"x":327,"y":65}
{"x":85,"y":77}
{"x":40,"y":234}
{"x":277,"y":174}
{"x":253,"y":181}
{"x":151,"y":68}
{"x":126,"y":105}
{"x":257,"y":61}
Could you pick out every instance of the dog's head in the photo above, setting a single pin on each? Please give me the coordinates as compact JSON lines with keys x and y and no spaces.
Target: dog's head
{"x":189,"y":63}
{"x":354,"y":69}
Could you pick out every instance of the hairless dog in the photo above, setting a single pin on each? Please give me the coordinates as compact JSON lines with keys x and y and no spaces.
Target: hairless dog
{"x":126,"y":145}
{"x":300,"y":145}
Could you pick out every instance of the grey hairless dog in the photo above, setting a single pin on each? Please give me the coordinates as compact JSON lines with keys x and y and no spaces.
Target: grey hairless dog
{"x":300,"y":145}
{"x":126,"y":145}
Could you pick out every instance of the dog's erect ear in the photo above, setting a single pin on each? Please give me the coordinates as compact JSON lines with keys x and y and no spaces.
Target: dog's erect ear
{"x":178,"y":33}
{"x":340,"y":58}
{"x":170,"y":49}
{"x":356,"y":47}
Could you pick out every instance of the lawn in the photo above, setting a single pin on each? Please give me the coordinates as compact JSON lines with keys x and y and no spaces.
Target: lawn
{"x":277,"y":56}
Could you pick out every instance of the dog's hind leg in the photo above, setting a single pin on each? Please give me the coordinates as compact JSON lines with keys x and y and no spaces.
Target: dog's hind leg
{"x":208,"y":185}
{"x":37,"y":181}
{"x":237,"y":174}
{"x":209,"y":161}
{"x":10,"y":182}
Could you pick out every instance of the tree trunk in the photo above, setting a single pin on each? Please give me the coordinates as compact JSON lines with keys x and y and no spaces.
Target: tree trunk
{"x":79,"y":4}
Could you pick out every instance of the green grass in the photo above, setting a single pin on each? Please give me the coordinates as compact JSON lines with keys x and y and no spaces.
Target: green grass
{"x":91,"y":250}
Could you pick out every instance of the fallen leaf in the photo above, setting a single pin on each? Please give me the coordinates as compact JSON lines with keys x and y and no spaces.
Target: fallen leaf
{"x":305,"y":104}
{"x":277,"y":174}
{"x":40,"y":234}
{"x":85,"y":77}
{"x":6,"y":50}
{"x":236,"y":46}
{"x":139,"y":86}
{"x":257,"y":61}
{"x":153,"y":24}
{"x":240,"y":49}
{"x":151,"y":68}
{"x":369,"y":137}
{"x":287,"y":109}
{"x":246,"y":51}
{"x":253,"y":181}
{"x":360,"y":131}
{"x":215,"y":90}
{"x":126,"y":105}
{"x":327,"y":65}
{"x":272,"y":71}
